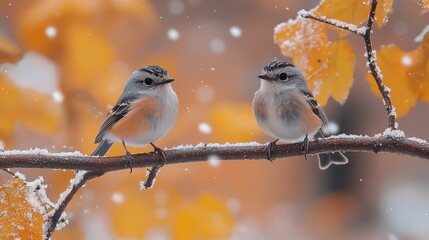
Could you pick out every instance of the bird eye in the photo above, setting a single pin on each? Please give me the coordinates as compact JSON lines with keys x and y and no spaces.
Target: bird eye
{"x":283,"y":76}
{"x":148,"y":81}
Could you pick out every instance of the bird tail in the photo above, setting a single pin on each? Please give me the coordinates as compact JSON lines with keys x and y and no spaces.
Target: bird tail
{"x":102,"y":148}
{"x":326,"y":159}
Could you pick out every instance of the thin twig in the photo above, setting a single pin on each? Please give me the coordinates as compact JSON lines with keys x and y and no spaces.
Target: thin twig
{"x":334,"y":22}
{"x":375,"y":70}
{"x":67,"y":196}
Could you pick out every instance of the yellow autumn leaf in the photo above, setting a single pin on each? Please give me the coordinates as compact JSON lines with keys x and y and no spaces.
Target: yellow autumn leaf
{"x":417,"y":68}
{"x":337,"y":77}
{"x":354,"y":11}
{"x":305,"y":40}
{"x":18,"y":218}
{"x":328,"y":67}
{"x":207,"y":218}
{"x":391,"y":62}
{"x":406,"y":73}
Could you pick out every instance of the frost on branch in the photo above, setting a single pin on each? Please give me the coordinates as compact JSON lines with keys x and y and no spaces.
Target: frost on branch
{"x":23,"y":208}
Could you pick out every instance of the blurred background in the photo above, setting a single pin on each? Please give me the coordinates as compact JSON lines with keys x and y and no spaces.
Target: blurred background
{"x":64,"y":63}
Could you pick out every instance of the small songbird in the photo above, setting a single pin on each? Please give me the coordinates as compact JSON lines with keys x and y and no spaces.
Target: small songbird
{"x":145,"y":112}
{"x":285,"y":108}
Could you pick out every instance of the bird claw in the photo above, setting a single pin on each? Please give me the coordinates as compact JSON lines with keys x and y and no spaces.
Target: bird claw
{"x":129,"y":161}
{"x":161,"y":152}
{"x":271,"y":147}
{"x":305,"y":146}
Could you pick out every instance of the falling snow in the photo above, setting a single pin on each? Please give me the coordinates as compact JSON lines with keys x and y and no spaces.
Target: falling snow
{"x":214,"y":161}
{"x":173,"y":34}
{"x":51,"y":32}
{"x":204,"y":128}
{"x":235,"y":31}
{"x":118,"y":198}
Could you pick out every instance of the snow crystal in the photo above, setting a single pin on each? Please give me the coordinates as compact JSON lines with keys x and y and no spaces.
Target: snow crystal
{"x":420,"y":37}
{"x":421,"y":141}
{"x":217,"y":45}
{"x":51,"y":32}
{"x":176,"y":7}
{"x":118,"y":198}
{"x":173,"y":34}
{"x":38,"y":151}
{"x":58,"y":96}
{"x":393,"y":133}
{"x":235,"y":31}
{"x":331,"y":128}
{"x":350,"y":136}
{"x":214,"y":160}
{"x":204,"y":128}
{"x":406,"y":60}
{"x":143,"y":184}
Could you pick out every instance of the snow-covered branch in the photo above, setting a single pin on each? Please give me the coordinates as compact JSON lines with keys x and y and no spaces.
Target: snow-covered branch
{"x":334,"y":22}
{"x":393,"y":142}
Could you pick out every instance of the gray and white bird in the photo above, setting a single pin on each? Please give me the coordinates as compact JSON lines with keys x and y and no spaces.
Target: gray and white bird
{"x":285,"y":108}
{"x":145,"y":111}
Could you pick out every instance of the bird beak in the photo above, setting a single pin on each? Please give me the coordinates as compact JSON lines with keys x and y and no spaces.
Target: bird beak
{"x":166,"y":81}
{"x":264,"y":77}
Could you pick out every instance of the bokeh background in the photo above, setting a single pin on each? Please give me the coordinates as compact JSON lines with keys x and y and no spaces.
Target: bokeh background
{"x":64,"y":63}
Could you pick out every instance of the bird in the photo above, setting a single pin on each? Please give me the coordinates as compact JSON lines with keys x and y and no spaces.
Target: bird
{"x":285,"y":108}
{"x":144,"y":112}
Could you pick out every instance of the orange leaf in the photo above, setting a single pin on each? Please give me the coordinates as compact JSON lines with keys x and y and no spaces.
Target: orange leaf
{"x":18,"y":218}
{"x":390,"y":59}
{"x":337,"y":77}
{"x":354,"y":11}
{"x":328,"y":67}
{"x":298,"y":38}
{"x":406,"y":73}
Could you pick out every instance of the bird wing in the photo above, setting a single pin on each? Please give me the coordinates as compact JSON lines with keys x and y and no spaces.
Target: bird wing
{"x":315,"y":107}
{"x":121,"y":108}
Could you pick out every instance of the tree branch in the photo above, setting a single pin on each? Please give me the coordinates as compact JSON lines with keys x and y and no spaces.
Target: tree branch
{"x":334,"y":22}
{"x":392,"y":141}
{"x":201,"y":152}
{"x":365,"y":32}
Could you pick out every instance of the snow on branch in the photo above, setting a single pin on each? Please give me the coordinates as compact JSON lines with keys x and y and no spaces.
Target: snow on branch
{"x":365,"y":32}
{"x":334,"y":22}
{"x":392,"y":141}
